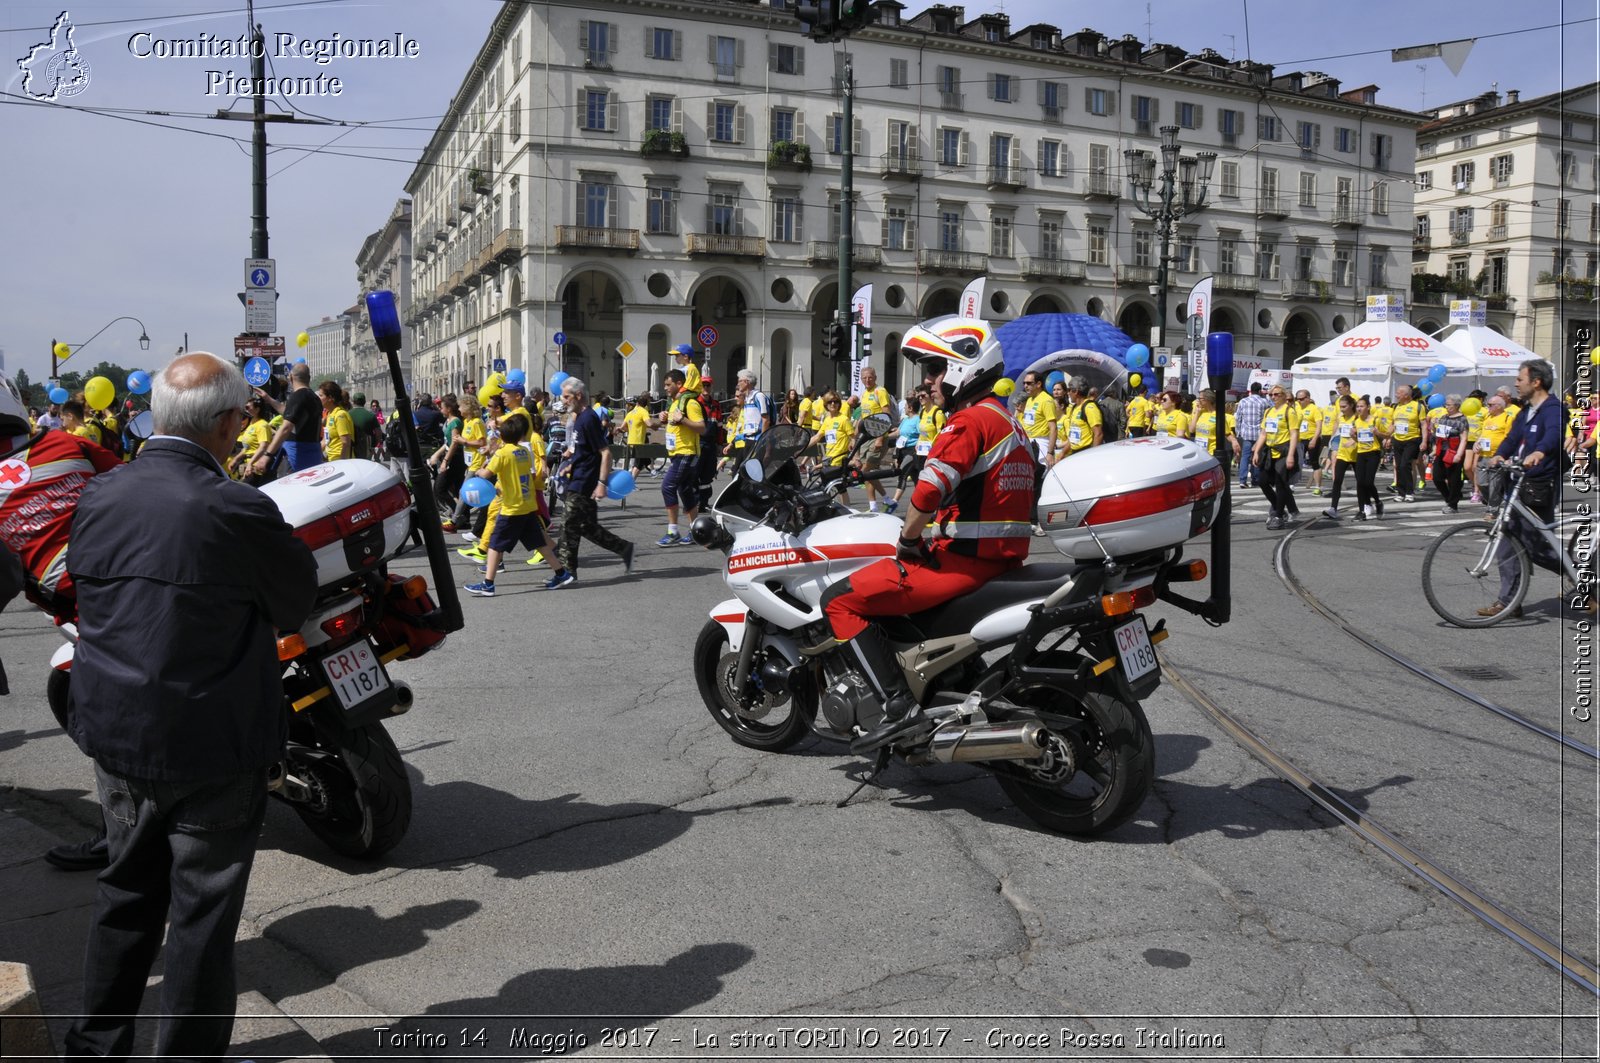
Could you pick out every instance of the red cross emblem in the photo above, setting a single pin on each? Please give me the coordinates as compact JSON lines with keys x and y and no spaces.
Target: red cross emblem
{"x":14,"y":473}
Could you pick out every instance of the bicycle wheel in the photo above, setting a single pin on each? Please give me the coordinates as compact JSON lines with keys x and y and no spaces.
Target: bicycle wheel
{"x":1460,"y":576}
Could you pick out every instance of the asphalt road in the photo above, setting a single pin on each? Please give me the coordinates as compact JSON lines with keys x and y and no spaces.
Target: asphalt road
{"x":590,"y":853}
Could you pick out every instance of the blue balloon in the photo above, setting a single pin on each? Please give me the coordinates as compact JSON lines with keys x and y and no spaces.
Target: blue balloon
{"x":1423,"y":387}
{"x":477,"y":492}
{"x":1138,"y":355}
{"x":1057,"y":377}
{"x":1437,"y":372}
{"x":516,"y":376}
{"x":557,"y":379}
{"x":620,"y":484}
{"x":59,"y":395}
{"x":139,"y":382}
{"x":1436,"y":402}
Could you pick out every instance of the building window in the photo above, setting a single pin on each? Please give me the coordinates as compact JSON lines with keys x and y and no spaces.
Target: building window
{"x":597,"y":42}
{"x":949,"y":227}
{"x":1308,"y":189}
{"x":1002,"y":88}
{"x":1000,"y":227}
{"x":1380,"y":198}
{"x":1309,"y":136}
{"x":722,"y":210}
{"x":948,"y":80}
{"x":1143,"y":239}
{"x":786,"y":219}
{"x":951,"y":147}
{"x":515,"y":221}
{"x":516,"y":55}
{"x":724,"y":123}
{"x":1227,"y":254}
{"x":1497,"y":218}
{"x":1050,"y":158}
{"x":1465,"y":141}
{"x":516,"y":120}
{"x":902,"y":141}
{"x":596,"y":110}
{"x":1461,"y":223}
{"x":1228,"y":183}
{"x":1382,"y":151}
{"x":1146,"y":113}
{"x":1305,"y":257}
{"x":1267,"y":127}
{"x":1230,"y":124}
{"x":1269,"y":189}
{"x":1567,"y":166}
{"x":899,"y":73}
{"x":665,"y":43}
{"x":1099,"y":244}
{"x":782,"y":125}
{"x":1190,"y":115}
{"x":1424,"y":180}
{"x":1461,"y":175}
{"x":594,"y":201}
{"x":1000,"y":160}
{"x":1187,"y":255}
{"x":1500,"y":170}
{"x":1267,"y":258}
{"x":1343,"y":272}
{"x":786,"y":59}
{"x":1378,"y":268}
{"x":1459,"y":269}
{"x":1050,"y":99}
{"x":661,"y":209}
{"x":726,"y":53}
{"x":1099,"y":101}
{"x":1499,"y":274}
{"x":896,"y":228}
{"x":658,"y":111}
{"x":1050,"y":237}
{"x":1423,"y":232}
{"x":1563,"y":217}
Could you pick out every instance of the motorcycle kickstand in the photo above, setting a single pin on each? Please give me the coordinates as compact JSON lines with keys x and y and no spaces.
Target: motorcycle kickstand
{"x":881,"y":762}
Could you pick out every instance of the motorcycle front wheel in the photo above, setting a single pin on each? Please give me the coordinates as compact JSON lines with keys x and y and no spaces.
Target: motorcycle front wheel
{"x":360,"y":801}
{"x":1100,"y":758}
{"x":714,"y":667}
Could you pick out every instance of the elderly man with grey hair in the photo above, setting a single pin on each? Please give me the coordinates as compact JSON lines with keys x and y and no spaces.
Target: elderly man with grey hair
{"x":752,"y":413}
{"x":590,"y":448}
{"x":184,"y":578}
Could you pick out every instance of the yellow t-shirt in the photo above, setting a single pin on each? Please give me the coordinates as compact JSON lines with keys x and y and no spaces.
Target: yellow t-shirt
{"x":803,"y":417}
{"x":1475,"y":424}
{"x":1494,"y":431}
{"x":874,"y":401}
{"x":1038,"y":413}
{"x":1205,"y":425}
{"x":1140,"y":409}
{"x":1344,"y":433}
{"x":1276,"y":425}
{"x":88,"y":430}
{"x":254,"y":436}
{"x":335,"y":427}
{"x":1173,"y":422}
{"x":1310,"y":420}
{"x":1407,"y":419}
{"x":512,"y":469}
{"x":691,"y":378}
{"x":930,"y":422}
{"x":637,"y":422}
{"x":1077,"y":426}
{"x":1383,"y":418}
{"x":472,"y":430}
{"x":1369,"y":435}
{"x":681,"y":441}
{"x":836,"y":433}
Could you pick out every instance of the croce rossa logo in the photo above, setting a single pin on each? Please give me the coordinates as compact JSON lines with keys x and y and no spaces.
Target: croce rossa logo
{"x":54,"y":68}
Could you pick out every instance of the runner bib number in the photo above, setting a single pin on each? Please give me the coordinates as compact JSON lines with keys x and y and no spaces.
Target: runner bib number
{"x":923,"y":448}
{"x":1364,"y":435}
{"x":1401,"y":426}
{"x":672,"y":440}
{"x":1075,"y":434}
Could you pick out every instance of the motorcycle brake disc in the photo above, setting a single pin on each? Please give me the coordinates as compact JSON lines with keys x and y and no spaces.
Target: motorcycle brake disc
{"x":747,"y":707}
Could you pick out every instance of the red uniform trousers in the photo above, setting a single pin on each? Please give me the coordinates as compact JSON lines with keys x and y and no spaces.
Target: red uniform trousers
{"x":880,"y":590}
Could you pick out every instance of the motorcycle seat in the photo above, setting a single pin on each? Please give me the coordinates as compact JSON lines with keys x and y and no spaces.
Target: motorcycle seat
{"x":956,"y":616}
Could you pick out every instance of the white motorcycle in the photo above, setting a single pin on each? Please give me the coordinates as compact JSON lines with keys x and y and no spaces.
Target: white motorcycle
{"x":1036,"y":676}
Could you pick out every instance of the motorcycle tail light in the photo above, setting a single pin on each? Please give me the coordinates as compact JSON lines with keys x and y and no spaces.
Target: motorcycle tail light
{"x":318,"y":533}
{"x":1148,"y":501}
{"x":337,"y":627}
{"x":290,"y":647}
{"x":378,"y":508}
{"x":1189,"y":572}
{"x":414,"y":588}
{"x":1122,"y":602}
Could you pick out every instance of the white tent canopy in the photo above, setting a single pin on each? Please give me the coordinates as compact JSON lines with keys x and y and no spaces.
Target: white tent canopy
{"x":1377,"y":356}
{"x":1495,"y":355}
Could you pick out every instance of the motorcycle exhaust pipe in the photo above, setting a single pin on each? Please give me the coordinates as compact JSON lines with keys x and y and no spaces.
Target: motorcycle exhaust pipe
{"x":403,"y":699}
{"x":1023,"y":741}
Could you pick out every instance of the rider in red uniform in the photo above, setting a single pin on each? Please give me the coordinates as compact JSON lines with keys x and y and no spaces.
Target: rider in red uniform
{"x":976,"y":488}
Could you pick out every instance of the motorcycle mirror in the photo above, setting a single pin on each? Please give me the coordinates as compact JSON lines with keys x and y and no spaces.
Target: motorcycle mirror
{"x":879,"y":424}
{"x":142,"y":426}
{"x":754,"y":472}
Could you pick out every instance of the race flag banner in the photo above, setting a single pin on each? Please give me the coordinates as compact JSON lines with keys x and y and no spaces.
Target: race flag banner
{"x":1454,"y":53}
{"x":860,"y":318}
{"x":971,"y":304}
{"x":1199,"y":326}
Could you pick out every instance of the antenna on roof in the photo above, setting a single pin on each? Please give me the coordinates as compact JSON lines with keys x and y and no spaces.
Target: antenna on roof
{"x":1233,"y":47}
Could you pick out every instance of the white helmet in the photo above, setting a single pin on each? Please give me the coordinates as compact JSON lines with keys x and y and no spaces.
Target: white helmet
{"x":13,"y":414}
{"x":971,"y":353}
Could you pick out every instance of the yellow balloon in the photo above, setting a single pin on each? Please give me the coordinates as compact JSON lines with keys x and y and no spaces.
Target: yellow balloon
{"x":1594,"y":356}
{"x":484,"y":395}
{"x":63,"y":352}
{"x":1004,"y":386}
{"x":302,"y":339}
{"x":1135,"y":380}
{"x":492,"y":387}
{"x":99,"y":392}
{"x":1472,"y":407}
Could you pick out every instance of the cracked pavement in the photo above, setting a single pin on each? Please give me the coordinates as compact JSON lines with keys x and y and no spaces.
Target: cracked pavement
{"x":587,"y":842}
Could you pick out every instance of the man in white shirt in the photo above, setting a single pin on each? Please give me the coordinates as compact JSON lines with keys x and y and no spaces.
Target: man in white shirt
{"x":752,"y":416}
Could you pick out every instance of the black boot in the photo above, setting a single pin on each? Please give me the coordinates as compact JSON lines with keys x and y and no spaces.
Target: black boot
{"x":88,"y":855}
{"x":901,"y":713}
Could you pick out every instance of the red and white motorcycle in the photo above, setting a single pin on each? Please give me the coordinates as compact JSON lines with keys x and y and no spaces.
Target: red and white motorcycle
{"x":1037,"y":676}
{"x":343,"y":774}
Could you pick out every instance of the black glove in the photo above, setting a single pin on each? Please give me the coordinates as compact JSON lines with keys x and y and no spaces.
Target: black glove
{"x":915,"y":550}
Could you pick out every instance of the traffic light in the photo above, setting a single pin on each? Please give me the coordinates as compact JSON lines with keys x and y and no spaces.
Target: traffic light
{"x":865,"y":335}
{"x":819,"y":19}
{"x":835,"y":341}
{"x":854,"y":14}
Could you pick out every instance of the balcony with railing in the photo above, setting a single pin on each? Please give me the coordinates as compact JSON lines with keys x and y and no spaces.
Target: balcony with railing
{"x":1421,"y":241}
{"x":1306,"y":288}
{"x":1006,"y":178}
{"x":934,"y":260}
{"x":1101,"y":186}
{"x":1234,"y":283}
{"x":1460,"y":237}
{"x":1272,"y":206}
{"x":951,"y":100}
{"x":826,"y":253}
{"x":726,"y":245}
{"x":900,"y":164}
{"x":1050,"y":269}
{"x":1136,"y":274}
{"x":1346,"y":216}
{"x":597,"y":238}
{"x":1497,"y":232}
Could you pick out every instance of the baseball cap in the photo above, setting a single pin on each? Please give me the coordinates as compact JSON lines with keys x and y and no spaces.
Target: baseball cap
{"x":515,"y":386}
{"x":683,"y":350}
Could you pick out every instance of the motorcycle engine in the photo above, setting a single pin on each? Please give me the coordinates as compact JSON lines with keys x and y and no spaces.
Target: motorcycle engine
{"x":848,"y":700}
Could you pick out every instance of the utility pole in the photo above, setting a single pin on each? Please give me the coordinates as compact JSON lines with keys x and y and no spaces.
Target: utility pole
{"x":846,"y":222}
{"x":258,"y":148}
{"x":1180,"y":191}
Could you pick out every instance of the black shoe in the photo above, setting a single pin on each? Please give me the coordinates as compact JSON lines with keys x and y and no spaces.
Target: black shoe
{"x":627,"y":559}
{"x":90,"y":855}
{"x":900,"y":710}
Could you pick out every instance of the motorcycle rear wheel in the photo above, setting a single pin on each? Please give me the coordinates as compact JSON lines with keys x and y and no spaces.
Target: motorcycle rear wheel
{"x":1115,"y":756}
{"x":363,"y":803}
{"x":716,"y":689}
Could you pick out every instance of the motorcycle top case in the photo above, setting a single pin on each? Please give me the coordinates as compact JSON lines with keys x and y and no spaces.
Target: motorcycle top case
{"x":353,"y":514}
{"x":1134,"y":495}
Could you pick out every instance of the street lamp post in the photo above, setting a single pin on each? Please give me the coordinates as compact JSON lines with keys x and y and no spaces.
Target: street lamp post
{"x":74,"y":348}
{"x":1181,"y":191}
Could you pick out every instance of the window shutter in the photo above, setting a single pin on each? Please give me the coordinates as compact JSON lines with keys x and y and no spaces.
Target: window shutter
{"x":583,"y":108}
{"x":677,"y":116}
{"x":613,"y":37}
{"x":858,"y":138}
{"x":799,"y":127}
{"x":738,"y":124}
{"x":711,"y":214}
{"x":1155,"y":110}
{"x":583,"y":35}
{"x":613,"y":113}
{"x":799,"y":60}
{"x":883,"y":230}
{"x":1261,"y":127}
{"x":711,"y":48}
{"x":990,"y":82}
{"x":964,"y":151}
{"x":1088,"y":100}
{"x":1016,"y":159}
{"x":677,"y":44}
{"x":911,"y":234}
{"x":738,"y":53}
{"x":1111,"y":102}
{"x":1041,"y":90}
{"x":711,"y":120}
{"x":772,"y":56}
{"x":650,"y":43}
{"x":1038,"y":153}
{"x":738,"y":221}
{"x":1316,"y":136}
{"x":1199,"y":116}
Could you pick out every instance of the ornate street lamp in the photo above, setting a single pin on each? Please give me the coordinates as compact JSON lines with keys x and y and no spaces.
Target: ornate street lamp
{"x":1180,"y":192}
{"x":73,"y":348}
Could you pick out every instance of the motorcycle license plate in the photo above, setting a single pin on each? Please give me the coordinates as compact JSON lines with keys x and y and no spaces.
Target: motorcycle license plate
{"x":355,"y":675}
{"x":1133,"y":645}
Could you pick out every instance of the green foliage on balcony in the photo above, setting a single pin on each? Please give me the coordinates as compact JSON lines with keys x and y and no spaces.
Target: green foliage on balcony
{"x":789,"y":153}
{"x":663,"y":142}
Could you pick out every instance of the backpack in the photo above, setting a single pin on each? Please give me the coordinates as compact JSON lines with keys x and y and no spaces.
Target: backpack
{"x":1111,"y":420}
{"x":394,"y":438}
{"x":111,"y":440}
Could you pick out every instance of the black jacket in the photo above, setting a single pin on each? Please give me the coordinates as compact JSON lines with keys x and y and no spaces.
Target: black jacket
{"x":182,"y":577}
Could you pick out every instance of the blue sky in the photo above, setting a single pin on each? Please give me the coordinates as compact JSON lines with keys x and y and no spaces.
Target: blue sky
{"x":149,"y":214}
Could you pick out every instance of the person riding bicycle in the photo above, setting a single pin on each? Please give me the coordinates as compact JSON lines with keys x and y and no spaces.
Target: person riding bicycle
{"x":976,"y":487}
{"x":1535,"y":441}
